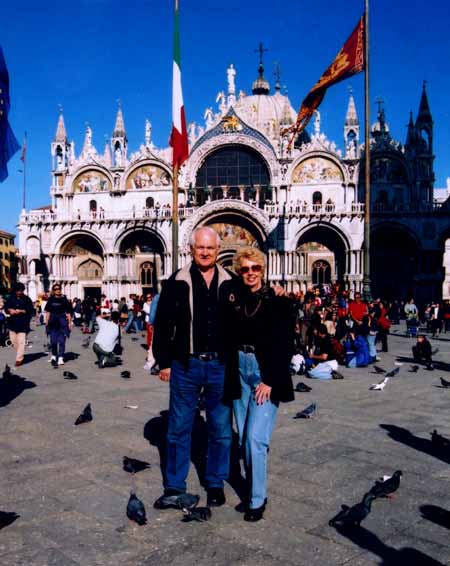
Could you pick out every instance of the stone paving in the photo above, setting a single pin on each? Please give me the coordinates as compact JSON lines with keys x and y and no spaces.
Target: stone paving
{"x":68,"y":488}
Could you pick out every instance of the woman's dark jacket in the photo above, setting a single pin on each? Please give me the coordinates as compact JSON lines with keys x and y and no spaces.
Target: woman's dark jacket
{"x":266,"y":322}
{"x":59,"y":308}
{"x":19,"y":322}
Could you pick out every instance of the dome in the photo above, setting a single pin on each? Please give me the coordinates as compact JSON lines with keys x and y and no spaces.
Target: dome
{"x":265,"y":112}
{"x":376,"y":127}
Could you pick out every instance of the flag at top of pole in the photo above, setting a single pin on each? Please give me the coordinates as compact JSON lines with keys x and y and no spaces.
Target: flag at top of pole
{"x":8,"y":143}
{"x":348,"y":62}
{"x":178,"y":137}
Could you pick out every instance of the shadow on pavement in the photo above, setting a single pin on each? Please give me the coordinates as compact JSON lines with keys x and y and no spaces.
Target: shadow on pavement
{"x":441,"y":366}
{"x":13,"y":386}
{"x":28,"y":358}
{"x":155,"y":431}
{"x":422,"y":444}
{"x":7,"y":518}
{"x":390,"y":556}
{"x":436,"y":515}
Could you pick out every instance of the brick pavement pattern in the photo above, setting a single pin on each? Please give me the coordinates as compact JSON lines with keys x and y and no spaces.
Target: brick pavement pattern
{"x":68,"y":487}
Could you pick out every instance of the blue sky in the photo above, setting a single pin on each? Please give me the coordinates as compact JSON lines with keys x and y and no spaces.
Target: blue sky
{"x":86,"y":54}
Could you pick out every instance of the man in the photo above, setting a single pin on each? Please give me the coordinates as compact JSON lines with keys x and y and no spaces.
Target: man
{"x":422,"y":352}
{"x":106,"y":340}
{"x":189,"y":348}
{"x":357,"y":310}
{"x":20,"y":310}
{"x":322,"y":363}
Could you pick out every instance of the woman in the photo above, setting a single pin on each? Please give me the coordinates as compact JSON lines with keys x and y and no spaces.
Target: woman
{"x":262,"y":336}
{"x":58,"y":319}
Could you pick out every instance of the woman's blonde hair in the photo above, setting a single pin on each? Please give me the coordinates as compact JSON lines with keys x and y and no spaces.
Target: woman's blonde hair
{"x":251,"y":254}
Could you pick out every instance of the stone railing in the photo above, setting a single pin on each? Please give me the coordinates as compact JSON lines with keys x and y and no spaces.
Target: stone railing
{"x":292,"y":209}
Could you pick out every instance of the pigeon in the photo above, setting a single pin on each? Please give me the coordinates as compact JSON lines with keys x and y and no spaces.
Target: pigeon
{"x":414,"y":369}
{"x":134,"y":339}
{"x":378,"y":369}
{"x":393,"y":372}
{"x":303,"y":388}
{"x":136,"y":510}
{"x":7,"y":372}
{"x":200,"y":514}
{"x":307,"y":413}
{"x":69,"y":375}
{"x":133,"y":466}
{"x":444,"y":382}
{"x":187,"y":501}
{"x":7,"y":517}
{"x":387,"y":487}
{"x":86,"y":415}
{"x":439,"y":442}
{"x":379,"y":386}
{"x":85,"y":343}
{"x":125,"y":374}
{"x":353,"y":516}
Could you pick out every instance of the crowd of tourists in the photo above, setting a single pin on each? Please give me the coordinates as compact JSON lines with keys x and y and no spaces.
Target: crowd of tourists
{"x":230,"y":341}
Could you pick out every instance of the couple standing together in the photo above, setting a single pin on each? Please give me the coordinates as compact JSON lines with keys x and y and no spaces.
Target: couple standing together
{"x":230,"y":336}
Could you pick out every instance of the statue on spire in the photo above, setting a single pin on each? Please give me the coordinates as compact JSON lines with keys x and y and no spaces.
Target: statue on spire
{"x":231,"y":73}
{"x":148,"y":133}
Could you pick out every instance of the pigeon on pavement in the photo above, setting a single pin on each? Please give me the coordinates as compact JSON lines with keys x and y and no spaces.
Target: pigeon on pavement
{"x":444,"y":382}
{"x":200,"y":514}
{"x":307,"y":413}
{"x":125,"y":374}
{"x":393,"y":372}
{"x":439,"y":442}
{"x":379,"y":370}
{"x":353,"y":516}
{"x":69,"y":375}
{"x":303,"y":388}
{"x":414,"y":369}
{"x":86,"y":415}
{"x":85,"y":343}
{"x":133,"y":466}
{"x":388,"y":487}
{"x":136,"y":510}
{"x":187,"y":501}
{"x":379,"y":386}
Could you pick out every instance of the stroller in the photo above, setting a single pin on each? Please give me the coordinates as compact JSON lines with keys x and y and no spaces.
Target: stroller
{"x":412,"y":326}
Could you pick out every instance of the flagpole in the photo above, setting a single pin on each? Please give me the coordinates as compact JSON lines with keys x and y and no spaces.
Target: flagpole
{"x":175,"y":219}
{"x":24,"y":154}
{"x":366,"y":275}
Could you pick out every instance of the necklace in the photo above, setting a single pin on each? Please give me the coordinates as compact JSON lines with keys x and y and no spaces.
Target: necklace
{"x":254,"y":312}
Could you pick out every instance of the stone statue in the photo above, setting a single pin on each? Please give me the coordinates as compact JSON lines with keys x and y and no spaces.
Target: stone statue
{"x":317,"y":123}
{"x":242,"y":94}
{"x":231,"y":73}
{"x":209,"y":117}
{"x":191,"y":133}
{"x":222,"y":102}
{"x":118,"y":156}
{"x":148,"y":133}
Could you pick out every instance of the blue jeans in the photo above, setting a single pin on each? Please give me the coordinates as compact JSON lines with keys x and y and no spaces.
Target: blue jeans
{"x":255,"y":425}
{"x":371,"y":339}
{"x":186,"y":384}
{"x":132,"y":321}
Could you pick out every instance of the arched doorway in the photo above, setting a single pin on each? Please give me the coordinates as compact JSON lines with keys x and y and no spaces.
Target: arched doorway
{"x":81,"y":256}
{"x":323,"y":252}
{"x":234,"y":168}
{"x":141,"y":255}
{"x":394,"y":263}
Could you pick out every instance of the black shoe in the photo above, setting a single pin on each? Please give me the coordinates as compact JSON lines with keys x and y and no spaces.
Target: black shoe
{"x":303,"y":388}
{"x":241,"y":507}
{"x":216,"y":497}
{"x":253,"y":515}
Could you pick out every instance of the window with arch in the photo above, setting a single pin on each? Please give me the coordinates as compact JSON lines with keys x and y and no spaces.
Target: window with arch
{"x":149,"y":202}
{"x":317,"y":198}
{"x":217,"y":193}
{"x":321,"y":272}
{"x":93,"y":205}
{"x":147,"y":274}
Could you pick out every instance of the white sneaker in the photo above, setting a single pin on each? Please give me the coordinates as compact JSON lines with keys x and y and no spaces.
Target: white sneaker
{"x":52,"y":359}
{"x":60,"y":361}
{"x":147,"y":366}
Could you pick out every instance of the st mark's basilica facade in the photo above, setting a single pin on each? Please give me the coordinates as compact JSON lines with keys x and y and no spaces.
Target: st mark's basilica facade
{"x":108,"y":227}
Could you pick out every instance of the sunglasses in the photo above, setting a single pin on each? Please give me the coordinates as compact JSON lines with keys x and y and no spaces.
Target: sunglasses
{"x":252,"y":268}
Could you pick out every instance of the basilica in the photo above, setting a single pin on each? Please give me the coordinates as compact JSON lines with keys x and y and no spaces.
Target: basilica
{"x":108,"y":227}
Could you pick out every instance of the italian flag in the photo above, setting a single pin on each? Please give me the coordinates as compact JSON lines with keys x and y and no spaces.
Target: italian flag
{"x":178,"y":137}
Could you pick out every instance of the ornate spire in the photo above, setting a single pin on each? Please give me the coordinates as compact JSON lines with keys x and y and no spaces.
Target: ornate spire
{"x":261,"y":86}
{"x":411,"y":135}
{"x":61,"y":134}
{"x":87,"y":145}
{"x":119,"y":128}
{"x":424,"y":115}
{"x":351,"y":119}
{"x":107,"y":153}
{"x":277,"y":73}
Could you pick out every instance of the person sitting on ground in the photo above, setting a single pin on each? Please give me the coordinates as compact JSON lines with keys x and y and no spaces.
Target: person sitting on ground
{"x":422,"y":352}
{"x":322,"y":364}
{"x":357,"y":351}
{"x":106,"y":340}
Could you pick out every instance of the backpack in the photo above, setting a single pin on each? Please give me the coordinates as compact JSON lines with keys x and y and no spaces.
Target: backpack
{"x":338,"y":351}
